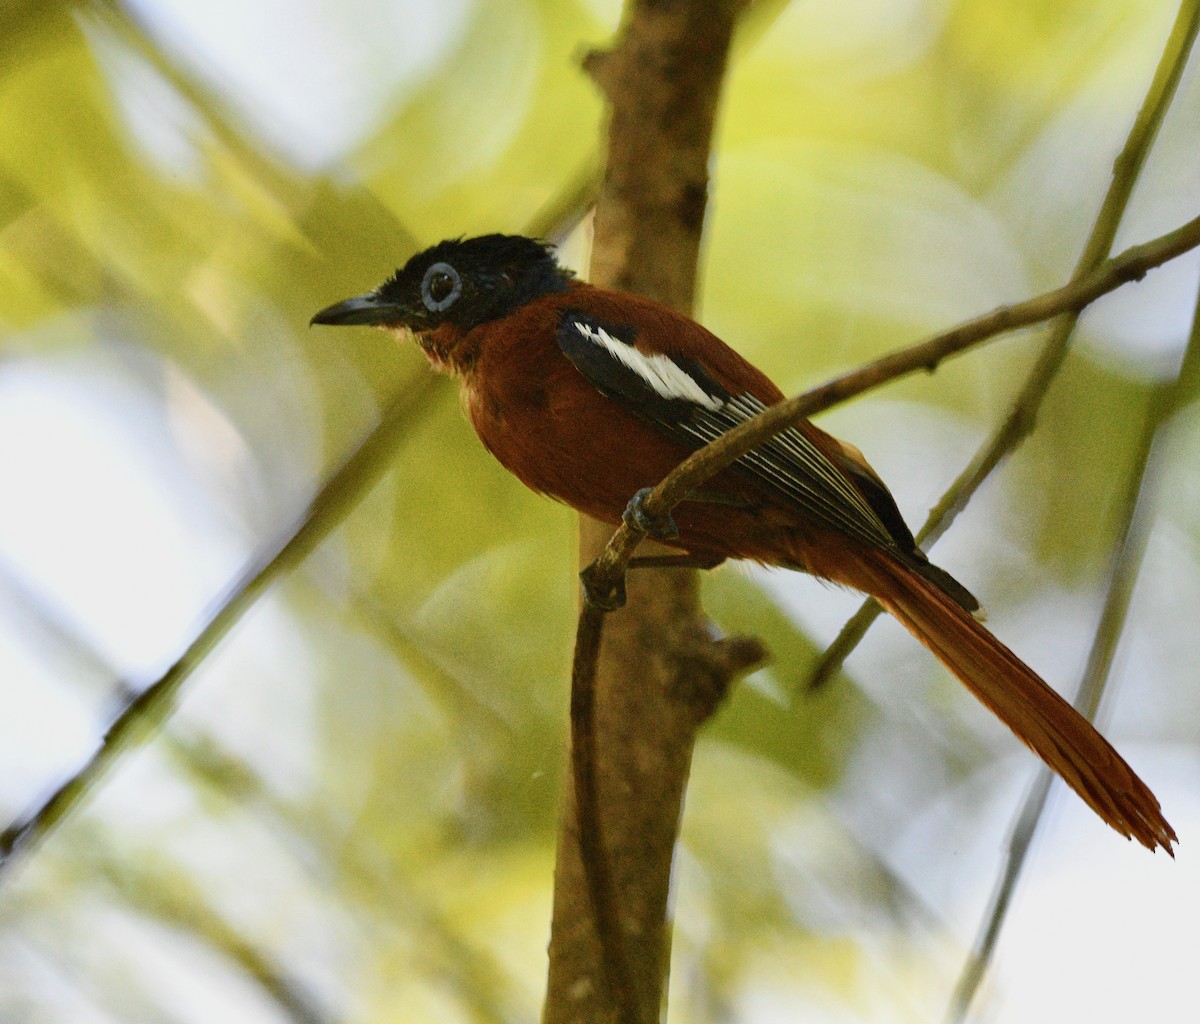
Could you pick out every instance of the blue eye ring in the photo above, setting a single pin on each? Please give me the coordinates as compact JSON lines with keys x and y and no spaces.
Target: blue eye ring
{"x":440,"y":287}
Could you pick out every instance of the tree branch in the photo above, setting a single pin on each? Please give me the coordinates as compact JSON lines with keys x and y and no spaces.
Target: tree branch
{"x":1131,"y":265}
{"x":155,"y":702}
{"x":588,"y":839}
{"x":1136,"y":521}
{"x":1020,"y":420}
{"x":646,"y":678}
{"x":1093,"y":278}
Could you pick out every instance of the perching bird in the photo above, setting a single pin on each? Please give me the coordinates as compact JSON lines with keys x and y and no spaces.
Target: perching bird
{"x":591,"y":396}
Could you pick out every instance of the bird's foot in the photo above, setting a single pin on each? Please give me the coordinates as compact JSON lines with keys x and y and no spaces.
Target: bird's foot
{"x":606,"y":596}
{"x":637,"y":516}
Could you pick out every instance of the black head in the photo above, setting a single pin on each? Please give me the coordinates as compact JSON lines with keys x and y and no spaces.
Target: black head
{"x":461,"y":282}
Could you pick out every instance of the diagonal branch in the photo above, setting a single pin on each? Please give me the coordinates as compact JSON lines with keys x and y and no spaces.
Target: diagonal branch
{"x":1065,"y":302}
{"x":344,"y":489}
{"x":1020,"y":420}
{"x":349,"y":483}
{"x":1093,"y":277}
{"x":606,"y":574}
{"x":1137,"y":520}
{"x":1131,"y":265}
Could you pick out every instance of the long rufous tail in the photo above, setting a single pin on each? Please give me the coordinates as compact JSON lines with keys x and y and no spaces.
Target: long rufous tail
{"x":1046,"y":723}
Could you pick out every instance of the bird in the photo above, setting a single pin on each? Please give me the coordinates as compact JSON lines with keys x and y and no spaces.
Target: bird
{"x":593,"y":396}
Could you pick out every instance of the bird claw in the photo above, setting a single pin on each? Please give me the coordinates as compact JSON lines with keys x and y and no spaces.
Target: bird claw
{"x":608,"y":597}
{"x":660,"y":527}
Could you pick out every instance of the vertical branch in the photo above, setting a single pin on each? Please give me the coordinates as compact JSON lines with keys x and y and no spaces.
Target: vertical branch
{"x":644,"y":684}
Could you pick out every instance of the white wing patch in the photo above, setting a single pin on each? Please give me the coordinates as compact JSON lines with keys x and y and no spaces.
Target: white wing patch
{"x":666,"y":377}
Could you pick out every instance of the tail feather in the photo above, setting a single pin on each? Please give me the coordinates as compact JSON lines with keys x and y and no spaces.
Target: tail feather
{"x":1046,"y":723}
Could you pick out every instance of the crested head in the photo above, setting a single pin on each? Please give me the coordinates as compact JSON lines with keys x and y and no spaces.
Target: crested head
{"x":460,"y":284}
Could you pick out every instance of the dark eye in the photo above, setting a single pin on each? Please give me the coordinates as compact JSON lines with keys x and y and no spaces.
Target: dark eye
{"x":440,"y":287}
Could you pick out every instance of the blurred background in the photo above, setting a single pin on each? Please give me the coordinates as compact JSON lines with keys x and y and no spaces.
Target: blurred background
{"x":351,"y":816}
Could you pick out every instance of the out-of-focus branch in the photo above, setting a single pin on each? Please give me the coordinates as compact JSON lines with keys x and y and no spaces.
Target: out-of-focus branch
{"x":150,"y":707}
{"x":1020,"y":421}
{"x":331,"y":504}
{"x":1131,"y":265}
{"x":1137,"y":517}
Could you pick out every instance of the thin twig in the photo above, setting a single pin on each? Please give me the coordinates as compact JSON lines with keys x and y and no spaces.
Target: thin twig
{"x":1131,"y":265}
{"x":614,"y":951}
{"x":349,"y":483}
{"x":1137,"y":520}
{"x":333,"y":501}
{"x":1065,"y":303}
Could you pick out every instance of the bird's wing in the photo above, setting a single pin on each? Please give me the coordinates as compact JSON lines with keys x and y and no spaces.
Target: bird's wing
{"x":684,"y":400}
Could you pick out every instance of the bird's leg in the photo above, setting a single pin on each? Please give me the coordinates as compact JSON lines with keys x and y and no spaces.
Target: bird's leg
{"x":610,"y":598}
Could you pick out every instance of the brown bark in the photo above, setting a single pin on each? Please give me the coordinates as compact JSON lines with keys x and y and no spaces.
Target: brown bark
{"x":659,"y":673}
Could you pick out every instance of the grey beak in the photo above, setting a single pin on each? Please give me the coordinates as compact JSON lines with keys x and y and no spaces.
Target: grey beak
{"x":362,"y":309}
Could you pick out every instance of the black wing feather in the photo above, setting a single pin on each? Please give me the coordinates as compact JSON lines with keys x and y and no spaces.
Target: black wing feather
{"x":789,"y":464}
{"x":610,"y":376}
{"x":680,"y":397}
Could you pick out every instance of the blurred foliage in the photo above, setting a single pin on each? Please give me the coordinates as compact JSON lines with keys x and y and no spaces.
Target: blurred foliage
{"x":352,"y":816}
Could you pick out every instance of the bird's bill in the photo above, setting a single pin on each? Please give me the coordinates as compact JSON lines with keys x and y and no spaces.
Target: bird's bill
{"x":362,"y":309}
